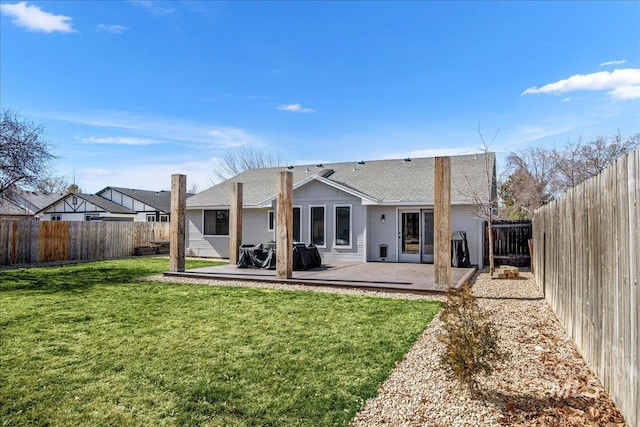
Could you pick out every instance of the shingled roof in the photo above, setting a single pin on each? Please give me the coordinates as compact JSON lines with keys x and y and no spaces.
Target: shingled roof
{"x":161,"y":200}
{"x":101,"y":202}
{"x":399,"y":181}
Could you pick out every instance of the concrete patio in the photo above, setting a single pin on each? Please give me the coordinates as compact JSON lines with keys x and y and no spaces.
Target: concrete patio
{"x":380,"y":276}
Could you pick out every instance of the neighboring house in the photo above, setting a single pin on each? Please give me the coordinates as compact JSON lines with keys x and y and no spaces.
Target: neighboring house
{"x":148,"y":205}
{"x":85,"y":207}
{"x":358,"y":211}
{"x":25,"y":204}
{"x":10,"y":210}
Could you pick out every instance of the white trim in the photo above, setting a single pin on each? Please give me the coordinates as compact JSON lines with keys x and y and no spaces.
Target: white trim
{"x":324,"y":225}
{"x":271,"y":220}
{"x":299,"y":207}
{"x":335,"y":226}
{"x":366,"y":200}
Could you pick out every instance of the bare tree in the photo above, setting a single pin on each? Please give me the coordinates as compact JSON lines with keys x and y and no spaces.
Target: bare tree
{"x":580,"y":161}
{"x":484,"y":194}
{"x":24,"y":154}
{"x":538,"y":175}
{"x":238,"y":161}
{"x":53,"y":184}
{"x":531,"y":182}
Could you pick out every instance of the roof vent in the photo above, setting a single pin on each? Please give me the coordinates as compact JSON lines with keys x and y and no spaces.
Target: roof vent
{"x":408,"y":159}
{"x":361,"y":162}
{"x":319,"y":165}
{"x":289,"y":167}
{"x":325,"y":173}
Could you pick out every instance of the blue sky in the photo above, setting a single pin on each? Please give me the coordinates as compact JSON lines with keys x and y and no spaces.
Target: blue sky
{"x":130,"y":92}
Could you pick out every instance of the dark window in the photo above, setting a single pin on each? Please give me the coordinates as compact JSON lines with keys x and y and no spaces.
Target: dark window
{"x":271,"y":221}
{"x":296,"y":225}
{"x":317,"y":225}
{"x":343,"y":225}
{"x":216,"y":222}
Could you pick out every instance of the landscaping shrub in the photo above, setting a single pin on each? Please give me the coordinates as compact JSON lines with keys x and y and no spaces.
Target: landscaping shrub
{"x":470,"y":340}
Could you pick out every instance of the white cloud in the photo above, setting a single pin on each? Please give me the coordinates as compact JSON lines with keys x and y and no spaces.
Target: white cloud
{"x":567,"y":99}
{"x":160,"y":129}
{"x":622,"y":61}
{"x":115,"y":29}
{"x":35,"y":19}
{"x":294,"y":108}
{"x":120,"y":140}
{"x":621,"y":84}
{"x":154,"y":7}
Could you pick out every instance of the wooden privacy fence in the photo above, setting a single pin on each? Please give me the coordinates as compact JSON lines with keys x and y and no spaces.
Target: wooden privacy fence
{"x":30,"y":241}
{"x":587,"y":257}
{"x":510,"y":242}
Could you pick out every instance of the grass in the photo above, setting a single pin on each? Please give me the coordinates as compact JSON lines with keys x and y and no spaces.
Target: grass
{"x":88,"y":345}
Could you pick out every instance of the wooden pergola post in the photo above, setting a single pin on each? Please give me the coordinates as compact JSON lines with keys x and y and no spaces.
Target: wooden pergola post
{"x":177,"y":227}
{"x":442,"y":222}
{"x":284,"y":229}
{"x":235,"y":222}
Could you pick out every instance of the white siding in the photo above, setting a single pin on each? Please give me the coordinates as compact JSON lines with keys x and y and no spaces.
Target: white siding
{"x":464,"y":219}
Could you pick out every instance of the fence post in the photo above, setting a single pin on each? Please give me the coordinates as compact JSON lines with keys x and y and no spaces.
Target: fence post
{"x":177,"y":235}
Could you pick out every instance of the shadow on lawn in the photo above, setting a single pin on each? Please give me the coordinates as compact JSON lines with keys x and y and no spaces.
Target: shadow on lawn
{"x":70,"y":278}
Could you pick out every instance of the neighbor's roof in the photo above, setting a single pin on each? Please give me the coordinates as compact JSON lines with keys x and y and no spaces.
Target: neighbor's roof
{"x":100,"y":202}
{"x":34,"y":200}
{"x":161,"y":200}
{"x":376,"y":182}
{"x":9,"y":208}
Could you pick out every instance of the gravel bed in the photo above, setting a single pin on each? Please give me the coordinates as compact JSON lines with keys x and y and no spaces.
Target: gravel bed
{"x":544,"y":382}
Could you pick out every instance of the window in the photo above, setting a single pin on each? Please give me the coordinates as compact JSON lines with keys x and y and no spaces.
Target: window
{"x":56,"y":217}
{"x":151,"y":217}
{"x":164,"y":218}
{"x":271,"y":221}
{"x":216,"y":222}
{"x":343,"y":225}
{"x":317,"y":225}
{"x":296,"y":224}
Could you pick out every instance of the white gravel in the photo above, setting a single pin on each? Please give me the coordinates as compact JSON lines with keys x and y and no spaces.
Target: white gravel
{"x":544,"y":382}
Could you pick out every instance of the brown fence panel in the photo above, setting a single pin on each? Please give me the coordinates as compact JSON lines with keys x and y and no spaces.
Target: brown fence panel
{"x":587,"y":258}
{"x":31,"y":241}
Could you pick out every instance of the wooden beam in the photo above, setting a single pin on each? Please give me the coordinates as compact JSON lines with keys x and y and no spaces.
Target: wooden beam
{"x":442,"y":222}
{"x":235,"y":222}
{"x":284,"y":228}
{"x":177,"y":229}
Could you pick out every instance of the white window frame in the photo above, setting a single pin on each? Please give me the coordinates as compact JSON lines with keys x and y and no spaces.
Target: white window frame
{"x":164,"y":217}
{"x":271,"y":220}
{"x":324,"y":225}
{"x":299,"y":207}
{"x":203,"y":224}
{"x":151,"y":217}
{"x":335,"y":226}
{"x":56,"y":217}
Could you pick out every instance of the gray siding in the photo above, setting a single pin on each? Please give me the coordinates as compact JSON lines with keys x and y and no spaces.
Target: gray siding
{"x":379,"y":233}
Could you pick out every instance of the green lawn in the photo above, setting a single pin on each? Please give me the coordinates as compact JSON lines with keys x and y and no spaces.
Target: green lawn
{"x":88,"y":345}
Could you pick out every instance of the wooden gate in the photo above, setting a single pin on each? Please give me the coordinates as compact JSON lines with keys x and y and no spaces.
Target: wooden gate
{"x":510,"y":243}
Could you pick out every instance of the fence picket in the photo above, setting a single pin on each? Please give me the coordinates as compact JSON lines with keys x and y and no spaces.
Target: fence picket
{"x":587,"y":258}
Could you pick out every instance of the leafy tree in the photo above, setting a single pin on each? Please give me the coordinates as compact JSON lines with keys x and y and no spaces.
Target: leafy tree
{"x":238,"y":161}
{"x":24,"y":153}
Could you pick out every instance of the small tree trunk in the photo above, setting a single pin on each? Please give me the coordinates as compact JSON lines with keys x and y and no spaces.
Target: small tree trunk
{"x":491,"y":263}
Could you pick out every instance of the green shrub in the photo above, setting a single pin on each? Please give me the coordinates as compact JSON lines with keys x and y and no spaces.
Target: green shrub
{"x":470,"y":341}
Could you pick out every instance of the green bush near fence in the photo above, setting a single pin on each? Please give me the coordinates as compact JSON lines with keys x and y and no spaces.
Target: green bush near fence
{"x":89,"y":345}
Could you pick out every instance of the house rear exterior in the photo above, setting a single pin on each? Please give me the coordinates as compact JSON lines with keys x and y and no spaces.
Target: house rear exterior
{"x":357,"y":211}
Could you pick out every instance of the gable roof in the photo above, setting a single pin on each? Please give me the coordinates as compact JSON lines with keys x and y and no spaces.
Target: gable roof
{"x":160,"y":200}
{"x":399,"y":181}
{"x":33,"y":201}
{"x":9,"y":208}
{"x":101,"y":202}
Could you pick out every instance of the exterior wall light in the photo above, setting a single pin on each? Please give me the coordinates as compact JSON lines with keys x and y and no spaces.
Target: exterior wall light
{"x":382,"y":218}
